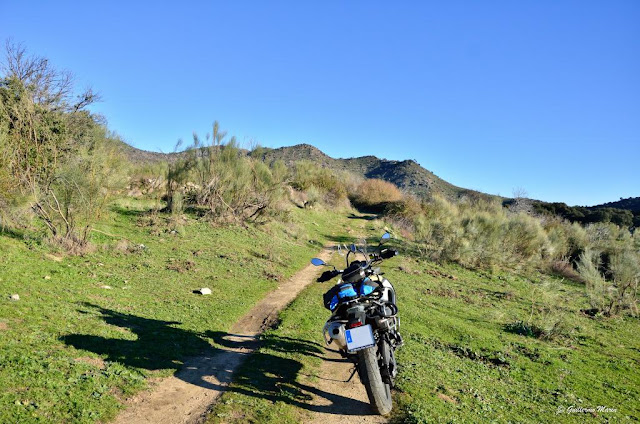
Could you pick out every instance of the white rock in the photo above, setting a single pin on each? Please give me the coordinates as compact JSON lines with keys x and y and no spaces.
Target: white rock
{"x":14,"y":297}
{"x":204,"y":290}
{"x":47,"y":277}
{"x":106,"y":287}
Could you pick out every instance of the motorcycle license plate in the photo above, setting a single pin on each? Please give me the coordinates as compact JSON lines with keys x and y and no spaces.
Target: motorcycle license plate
{"x":359,"y":338}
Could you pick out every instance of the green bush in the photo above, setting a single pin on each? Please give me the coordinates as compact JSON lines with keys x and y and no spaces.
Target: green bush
{"x":220,"y":179}
{"x":56,"y":159}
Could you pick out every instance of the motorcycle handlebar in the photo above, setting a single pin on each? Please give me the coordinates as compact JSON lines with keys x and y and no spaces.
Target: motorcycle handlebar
{"x":375,"y":257}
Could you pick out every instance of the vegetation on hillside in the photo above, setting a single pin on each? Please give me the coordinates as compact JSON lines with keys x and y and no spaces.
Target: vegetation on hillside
{"x":590,"y":215}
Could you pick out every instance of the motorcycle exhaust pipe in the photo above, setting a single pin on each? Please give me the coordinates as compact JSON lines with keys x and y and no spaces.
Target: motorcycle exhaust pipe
{"x":335,"y":330}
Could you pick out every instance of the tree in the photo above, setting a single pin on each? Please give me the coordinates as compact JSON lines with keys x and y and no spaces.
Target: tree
{"x":47,"y":138}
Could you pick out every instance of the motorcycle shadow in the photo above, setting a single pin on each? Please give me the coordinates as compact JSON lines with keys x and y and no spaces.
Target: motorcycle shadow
{"x":273,"y":373}
{"x":264,"y":366}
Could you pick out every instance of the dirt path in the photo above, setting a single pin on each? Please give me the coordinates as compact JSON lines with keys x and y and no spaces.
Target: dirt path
{"x":188,"y":395}
{"x":331,"y":381}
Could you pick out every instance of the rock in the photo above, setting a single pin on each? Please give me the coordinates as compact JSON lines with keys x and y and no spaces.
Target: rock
{"x":204,"y":290}
{"x":106,"y":287}
{"x":14,"y":297}
{"x":47,"y":277}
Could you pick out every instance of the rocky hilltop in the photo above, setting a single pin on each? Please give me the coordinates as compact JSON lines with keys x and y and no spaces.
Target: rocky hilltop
{"x":406,"y":174}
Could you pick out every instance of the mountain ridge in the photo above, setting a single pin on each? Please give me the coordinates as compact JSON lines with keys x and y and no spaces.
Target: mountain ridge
{"x":407,"y":174}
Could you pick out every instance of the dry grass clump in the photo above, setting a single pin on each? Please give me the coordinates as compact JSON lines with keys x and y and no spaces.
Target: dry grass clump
{"x":373,"y":192}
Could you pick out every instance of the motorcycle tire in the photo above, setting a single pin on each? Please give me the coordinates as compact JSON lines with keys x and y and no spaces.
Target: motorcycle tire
{"x":387,"y":362}
{"x":378,"y":391}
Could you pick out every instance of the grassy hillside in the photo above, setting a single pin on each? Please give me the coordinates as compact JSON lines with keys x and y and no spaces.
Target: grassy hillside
{"x":471,"y":353}
{"x":89,"y":331}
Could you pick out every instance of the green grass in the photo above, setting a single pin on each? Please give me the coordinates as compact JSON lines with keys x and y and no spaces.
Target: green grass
{"x":465,"y":358}
{"x":72,"y":350}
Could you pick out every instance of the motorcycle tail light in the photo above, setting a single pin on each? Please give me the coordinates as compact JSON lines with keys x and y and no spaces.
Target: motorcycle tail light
{"x":354,"y":324}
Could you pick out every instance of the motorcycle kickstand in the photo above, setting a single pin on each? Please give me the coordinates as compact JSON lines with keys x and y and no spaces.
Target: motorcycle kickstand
{"x":355,"y":369}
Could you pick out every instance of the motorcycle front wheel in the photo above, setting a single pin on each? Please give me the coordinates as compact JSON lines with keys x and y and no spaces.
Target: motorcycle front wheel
{"x":378,"y":391}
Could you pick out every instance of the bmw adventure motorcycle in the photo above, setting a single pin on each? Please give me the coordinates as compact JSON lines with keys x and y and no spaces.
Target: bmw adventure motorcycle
{"x":364,"y":322}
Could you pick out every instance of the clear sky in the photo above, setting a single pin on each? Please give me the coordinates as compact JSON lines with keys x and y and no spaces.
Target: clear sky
{"x":489,"y":95}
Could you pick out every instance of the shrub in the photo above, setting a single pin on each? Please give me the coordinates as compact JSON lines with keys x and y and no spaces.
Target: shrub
{"x":55,"y":156}
{"x":476,"y":234}
{"x":615,"y":289}
{"x":376,"y":193}
{"x":225,"y":182}
{"x":327,"y":186}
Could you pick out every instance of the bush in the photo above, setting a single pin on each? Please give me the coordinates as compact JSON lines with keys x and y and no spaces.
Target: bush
{"x":229,"y":185}
{"x":375,"y":193}
{"x":55,"y":157}
{"x":565,"y":240}
{"x":614,"y":289}
{"x":327,"y":186}
{"x":475,"y":234}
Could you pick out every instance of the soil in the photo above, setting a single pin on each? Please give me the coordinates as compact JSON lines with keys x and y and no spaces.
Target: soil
{"x":342,"y":401}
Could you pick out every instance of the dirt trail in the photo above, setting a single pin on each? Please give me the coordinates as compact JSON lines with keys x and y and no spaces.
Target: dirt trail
{"x":331,"y":382}
{"x":188,"y":395}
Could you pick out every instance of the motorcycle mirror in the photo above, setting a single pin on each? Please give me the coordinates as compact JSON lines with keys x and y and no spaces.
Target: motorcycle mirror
{"x":385,"y":237}
{"x":353,"y":248}
{"x":318,"y":262}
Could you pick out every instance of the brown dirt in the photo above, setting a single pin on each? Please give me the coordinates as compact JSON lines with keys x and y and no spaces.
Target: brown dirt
{"x":3,"y":326}
{"x":341,"y":401}
{"x":96,"y":362}
{"x":189,"y":394}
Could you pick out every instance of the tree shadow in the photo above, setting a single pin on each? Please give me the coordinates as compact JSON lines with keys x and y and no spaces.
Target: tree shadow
{"x":124,"y":211}
{"x":371,"y":217}
{"x":268,"y":370}
{"x":158,"y":344}
{"x":339,"y":239}
{"x":13,"y":233}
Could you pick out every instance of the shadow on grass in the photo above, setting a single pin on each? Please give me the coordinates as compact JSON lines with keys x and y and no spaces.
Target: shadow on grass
{"x":124,"y":211}
{"x":13,"y":233}
{"x":262,"y":365}
{"x":363,"y":217}
{"x":158,"y":344}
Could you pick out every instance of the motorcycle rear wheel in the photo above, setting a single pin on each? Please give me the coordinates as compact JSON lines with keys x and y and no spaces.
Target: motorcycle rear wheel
{"x":378,"y":391}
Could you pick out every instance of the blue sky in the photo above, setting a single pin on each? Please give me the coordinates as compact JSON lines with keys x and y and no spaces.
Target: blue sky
{"x":493,"y":95}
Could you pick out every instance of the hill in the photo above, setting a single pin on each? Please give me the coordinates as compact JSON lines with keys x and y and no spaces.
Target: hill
{"x":631,"y":204}
{"x":407,"y":174}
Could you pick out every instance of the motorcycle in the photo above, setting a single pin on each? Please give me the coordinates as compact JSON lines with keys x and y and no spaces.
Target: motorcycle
{"x":364,"y":324}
